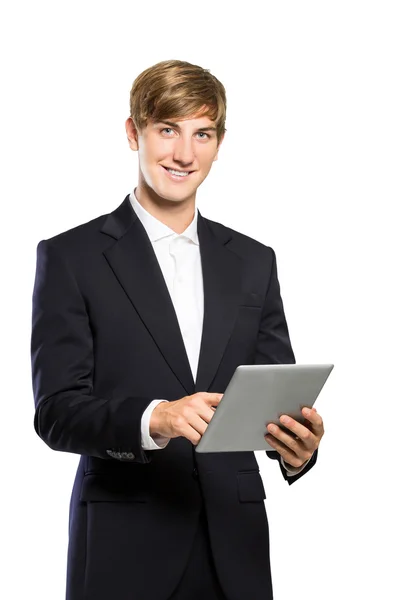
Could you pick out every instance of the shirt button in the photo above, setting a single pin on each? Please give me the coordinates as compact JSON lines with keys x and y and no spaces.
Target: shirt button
{"x":195,"y":473}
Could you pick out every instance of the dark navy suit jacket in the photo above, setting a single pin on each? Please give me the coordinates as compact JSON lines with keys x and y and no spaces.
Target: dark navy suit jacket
{"x":106,"y":342}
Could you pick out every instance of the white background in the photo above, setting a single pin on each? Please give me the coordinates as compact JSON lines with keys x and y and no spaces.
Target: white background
{"x":318,"y":163}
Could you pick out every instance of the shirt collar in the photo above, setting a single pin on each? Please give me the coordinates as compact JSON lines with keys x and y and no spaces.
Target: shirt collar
{"x":157,"y":230}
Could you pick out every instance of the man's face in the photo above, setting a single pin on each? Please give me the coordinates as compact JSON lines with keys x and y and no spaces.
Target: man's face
{"x":188,"y":146}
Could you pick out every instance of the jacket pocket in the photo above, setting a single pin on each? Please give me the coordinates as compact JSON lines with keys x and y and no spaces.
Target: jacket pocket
{"x":250,"y":300}
{"x":250,"y":486}
{"x":98,"y":488}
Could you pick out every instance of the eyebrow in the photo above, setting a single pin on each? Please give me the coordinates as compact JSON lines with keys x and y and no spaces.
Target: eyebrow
{"x":178,"y":127}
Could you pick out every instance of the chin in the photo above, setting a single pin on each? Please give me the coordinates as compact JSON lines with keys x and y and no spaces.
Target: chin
{"x":171,"y":197}
{"x":175,"y":195}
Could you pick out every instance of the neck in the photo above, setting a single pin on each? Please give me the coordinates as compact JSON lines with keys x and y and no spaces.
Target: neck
{"x":177,"y":215}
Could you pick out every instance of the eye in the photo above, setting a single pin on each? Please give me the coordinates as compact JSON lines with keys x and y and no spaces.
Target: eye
{"x":203,"y":133}
{"x":165,"y":128}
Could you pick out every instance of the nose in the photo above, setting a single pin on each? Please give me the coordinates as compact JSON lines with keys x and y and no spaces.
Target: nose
{"x":183,"y":151}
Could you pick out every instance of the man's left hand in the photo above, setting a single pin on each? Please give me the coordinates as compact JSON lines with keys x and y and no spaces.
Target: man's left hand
{"x":298,"y":445}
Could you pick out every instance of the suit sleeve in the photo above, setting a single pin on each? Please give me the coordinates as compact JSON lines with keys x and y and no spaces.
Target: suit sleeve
{"x":274,"y":347}
{"x":68,"y":416}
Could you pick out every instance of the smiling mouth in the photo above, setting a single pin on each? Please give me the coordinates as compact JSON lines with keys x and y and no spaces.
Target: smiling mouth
{"x":179,"y":170}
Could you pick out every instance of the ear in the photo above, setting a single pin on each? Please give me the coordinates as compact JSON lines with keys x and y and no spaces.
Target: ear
{"x":132,"y":134}
{"x":219,"y":146}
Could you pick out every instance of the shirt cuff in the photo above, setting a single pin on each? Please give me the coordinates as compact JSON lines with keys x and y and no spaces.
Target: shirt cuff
{"x":157,"y":442}
{"x":290,"y":470}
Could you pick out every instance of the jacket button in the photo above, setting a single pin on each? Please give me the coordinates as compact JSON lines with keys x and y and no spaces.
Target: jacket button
{"x":195,"y":473}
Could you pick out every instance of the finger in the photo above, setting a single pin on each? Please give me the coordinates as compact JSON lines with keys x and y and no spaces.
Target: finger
{"x":288,"y":455}
{"x":191,"y":434}
{"x":208,"y":396}
{"x":315,"y":420}
{"x":207,"y":413}
{"x":190,"y":425}
{"x":291,"y":441}
{"x":199,"y":423}
{"x":304,"y":434}
{"x":195,"y":429}
{"x":214,"y":399}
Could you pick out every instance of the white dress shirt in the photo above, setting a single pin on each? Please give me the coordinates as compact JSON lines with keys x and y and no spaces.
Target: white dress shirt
{"x":180,"y":262}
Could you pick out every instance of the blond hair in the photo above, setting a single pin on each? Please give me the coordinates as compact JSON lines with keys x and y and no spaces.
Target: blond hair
{"x":177,"y":89}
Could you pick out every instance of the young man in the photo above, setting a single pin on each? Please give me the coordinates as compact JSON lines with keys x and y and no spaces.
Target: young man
{"x":140,"y":318}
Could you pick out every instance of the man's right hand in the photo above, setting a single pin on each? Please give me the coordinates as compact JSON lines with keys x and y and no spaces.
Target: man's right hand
{"x":187,"y":417}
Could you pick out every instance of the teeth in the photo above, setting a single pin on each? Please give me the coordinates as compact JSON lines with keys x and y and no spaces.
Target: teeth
{"x":179,"y":173}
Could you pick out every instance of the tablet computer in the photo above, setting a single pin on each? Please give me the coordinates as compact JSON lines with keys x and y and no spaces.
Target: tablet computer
{"x":256,"y":396}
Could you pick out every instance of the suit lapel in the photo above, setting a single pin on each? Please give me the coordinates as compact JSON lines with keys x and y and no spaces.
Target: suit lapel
{"x":135,"y":265}
{"x":222,"y":288}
